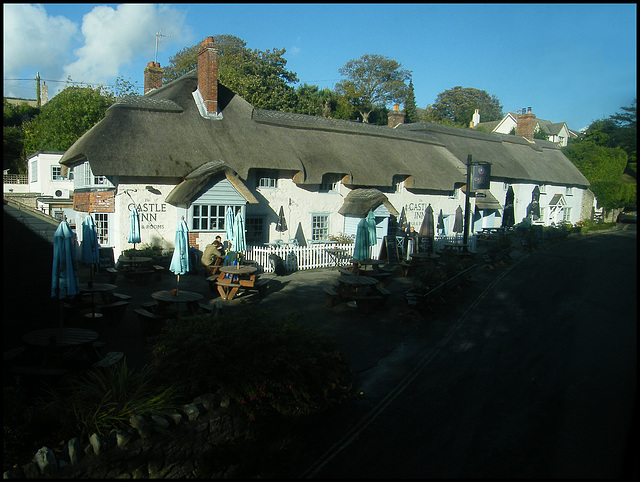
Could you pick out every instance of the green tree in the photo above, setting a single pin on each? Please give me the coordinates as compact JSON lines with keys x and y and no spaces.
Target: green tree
{"x":410,"y":109}
{"x":603,"y":167}
{"x":456,"y":106}
{"x":13,"y":136}
{"x":259,"y":77}
{"x":372,"y":81}
{"x":65,"y":118}
{"x":311,"y":100}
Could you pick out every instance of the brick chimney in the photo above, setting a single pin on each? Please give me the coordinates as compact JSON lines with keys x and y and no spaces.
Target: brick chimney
{"x":395,"y":117}
{"x":526,"y":125}
{"x":152,"y":77}
{"x":208,"y":74}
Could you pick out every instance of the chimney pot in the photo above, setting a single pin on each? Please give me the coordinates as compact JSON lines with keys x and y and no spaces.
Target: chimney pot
{"x":208,"y":74}
{"x":152,"y":76}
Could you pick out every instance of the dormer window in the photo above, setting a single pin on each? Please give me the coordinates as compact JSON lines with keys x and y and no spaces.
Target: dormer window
{"x":267,"y":178}
{"x":330,"y":183}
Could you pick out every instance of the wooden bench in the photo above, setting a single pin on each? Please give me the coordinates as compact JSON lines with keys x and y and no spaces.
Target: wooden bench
{"x":419,"y":301}
{"x":150,"y":323}
{"x":384,"y":292}
{"x":122,"y":297}
{"x":114,"y":312}
{"x":407,"y":267}
{"x":158,"y":270}
{"x":260,"y":285}
{"x":109,"y":359}
{"x":143,"y":274}
{"x":332,"y":296}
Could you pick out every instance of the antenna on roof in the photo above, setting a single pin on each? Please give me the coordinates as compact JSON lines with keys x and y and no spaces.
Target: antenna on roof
{"x":158,"y":34}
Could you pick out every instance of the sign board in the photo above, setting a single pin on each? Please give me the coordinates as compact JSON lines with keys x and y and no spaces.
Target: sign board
{"x":106,"y":258}
{"x":389,"y":250}
{"x":481,"y":176}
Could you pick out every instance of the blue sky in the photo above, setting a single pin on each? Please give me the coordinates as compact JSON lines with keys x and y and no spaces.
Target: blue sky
{"x":572,"y":63}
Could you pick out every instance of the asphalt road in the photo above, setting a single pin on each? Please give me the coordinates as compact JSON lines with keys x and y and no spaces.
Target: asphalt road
{"x":536,"y":379}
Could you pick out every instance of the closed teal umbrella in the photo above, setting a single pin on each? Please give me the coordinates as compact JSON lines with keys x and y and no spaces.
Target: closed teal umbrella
{"x":89,"y":253}
{"x":371,"y":223}
{"x":361,"y":249}
{"x":64,"y":272}
{"x":239,"y":241}
{"x":134,"y":227}
{"x":228,"y":223}
{"x":180,"y":259}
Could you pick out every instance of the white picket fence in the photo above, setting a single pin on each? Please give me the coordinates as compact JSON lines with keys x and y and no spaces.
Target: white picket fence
{"x":318,"y":255}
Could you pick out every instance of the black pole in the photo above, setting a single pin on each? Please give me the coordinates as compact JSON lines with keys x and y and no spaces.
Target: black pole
{"x":467,"y":204}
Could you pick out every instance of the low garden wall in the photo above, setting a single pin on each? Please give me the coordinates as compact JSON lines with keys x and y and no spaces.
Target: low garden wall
{"x":174,"y":446}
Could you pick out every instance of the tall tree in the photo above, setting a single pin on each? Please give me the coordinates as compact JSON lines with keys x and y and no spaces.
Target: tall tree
{"x":410,"y":109}
{"x":65,"y":118}
{"x":456,"y":106}
{"x":259,"y":77}
{"x":372,"y":81}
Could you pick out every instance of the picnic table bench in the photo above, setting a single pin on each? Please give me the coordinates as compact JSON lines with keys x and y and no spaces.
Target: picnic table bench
{"x":143,"y":274}
{"x":493,"y":261}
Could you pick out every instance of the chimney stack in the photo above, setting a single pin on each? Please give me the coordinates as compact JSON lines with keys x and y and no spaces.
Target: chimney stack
{"x":395,"y":117}
{"x":208,"y":75}
{"x":152,"y":77}
{"x":44,"y":94}
{"x":526,"y":125}
{"x":475,"y":120}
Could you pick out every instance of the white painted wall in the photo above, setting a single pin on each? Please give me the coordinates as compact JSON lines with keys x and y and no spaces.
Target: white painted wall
{"x":40,"y":178}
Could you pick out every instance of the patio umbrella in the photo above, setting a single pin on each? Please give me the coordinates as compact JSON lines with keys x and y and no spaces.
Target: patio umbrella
{"x":533,"y":209}
{"x":281,"y":225}
{"x":427,"y":227}
{"x":440,"y":225}
{"x":180,"y":259}
{"x":361,"y":249}
{"x":402,"y":222}
{"x":64,"y":273}
{"x":458,"y":224}
{"x":228,"y":223}
{"x":89,"y":253}
{"x":508,"y":217}
{"x":239,"y":240}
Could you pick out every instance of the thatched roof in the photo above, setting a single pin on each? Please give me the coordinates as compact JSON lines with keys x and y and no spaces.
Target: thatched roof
{"x":512,"y":158}
{"x":359,"y":202}
{"x":163,"y":135}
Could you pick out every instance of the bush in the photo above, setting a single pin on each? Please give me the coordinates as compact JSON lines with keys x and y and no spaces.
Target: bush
{"x":147,"y":251}
{"x":267,"y":366}
{"x":105,"y":399}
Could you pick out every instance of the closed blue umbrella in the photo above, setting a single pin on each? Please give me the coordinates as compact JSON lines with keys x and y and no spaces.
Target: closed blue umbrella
{"x":134,"y":228}
{"x":180,"y":259}
{"x":361,"y":247}
{"x":239,"y":241}
{"x":89,"y":253}
{"x":64,"y":273}
{"x":228,"y":223}
{"x":371,"y":225}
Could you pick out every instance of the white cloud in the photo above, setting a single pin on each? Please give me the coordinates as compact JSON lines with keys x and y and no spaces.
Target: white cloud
{"x":34,"y":40}
{"x":116,"y":37}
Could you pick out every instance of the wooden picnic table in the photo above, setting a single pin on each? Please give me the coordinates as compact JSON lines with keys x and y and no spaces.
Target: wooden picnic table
{"x":133,"y":262}
{"x":165,"y":298}
{"x":338,"y":255}
{"x":232,"y":278}
{"x":103,"y":288}
{"x":54,"y":342}
{"x":455,"y":247}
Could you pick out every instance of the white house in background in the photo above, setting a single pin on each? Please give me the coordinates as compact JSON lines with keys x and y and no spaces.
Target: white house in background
{"x":557,"y":132}
{"x":51,"y":183}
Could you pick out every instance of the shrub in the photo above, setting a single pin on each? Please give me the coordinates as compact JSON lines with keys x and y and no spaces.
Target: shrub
{"x":267,"y":366}
{"x":105,"y":399}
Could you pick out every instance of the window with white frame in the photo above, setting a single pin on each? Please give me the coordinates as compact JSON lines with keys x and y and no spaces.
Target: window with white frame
{"x":209,"y":217}
{"x":254,"y":230}
{"x":569,"y":191}
{"x":543,"y":188}
{"x":398,"y":183}
{"x":102,"y":227}
{"x":267,"y":178}
{"x":330,"y":183}
{"x":34,"y":171}
{"x":566,"y":214}
{"x":453,"y":194}
{"x":319,"y":226}
{"x":56,"y":173}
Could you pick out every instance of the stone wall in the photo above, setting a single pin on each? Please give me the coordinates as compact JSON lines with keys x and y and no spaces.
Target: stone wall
{"x":172,"y":446}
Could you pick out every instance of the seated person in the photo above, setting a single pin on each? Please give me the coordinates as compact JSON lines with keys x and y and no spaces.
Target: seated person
{"x":213,"y":251}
